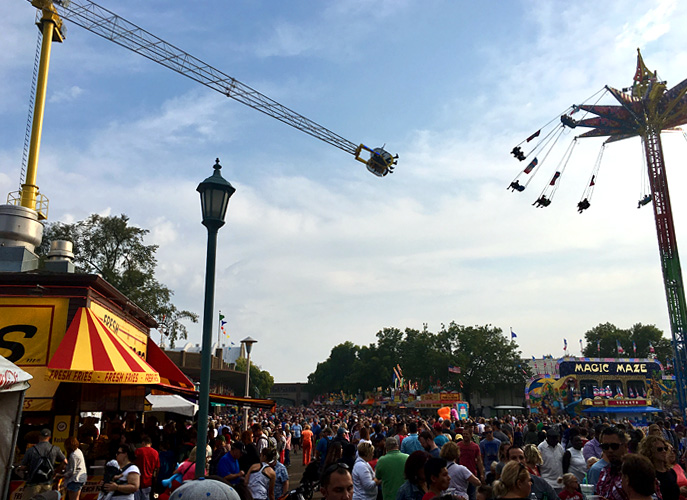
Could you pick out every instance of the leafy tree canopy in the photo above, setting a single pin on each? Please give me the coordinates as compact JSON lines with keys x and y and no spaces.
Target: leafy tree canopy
{"x":261,"y":381}
{"x":602,"y":341}
{"x":486,"y":358}
{"x":109,"y":246}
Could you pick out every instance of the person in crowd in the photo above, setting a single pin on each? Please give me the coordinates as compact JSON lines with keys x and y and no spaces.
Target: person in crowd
{"x":336,"y":483}
{"x":281,"y":481}
{"x":287,"y":446}
{"x":638,"y":477}
{"x":592,"y":448}
{"x":148,"y":462}
{"x":552,"y":458}
{"x":187,"y":468}
{"x":411,"y":443}
{"x":306,"y":442}
{"x":460,"y":476}
{"x":573,"y":459}
{"x":37,"y":482}
{"x":364,"y":481}
{"x":389,"y":469}
{"x":250,"y":454}
{"x":322,"y":447}
{"x":218,"y":451}
{"x":128,"y":481}
{"x":498,"y":433}
{"x":296,"y":431}
{"x":532,"y":459}
{"x":541,"y":489}
{"x":471,"y":457}
{"x":229,"y":466}
{"x":571,"y":487}
{"x":656,"y":448}
{"x":531,"y":436}
{"x":436,"y":476}
{"x":485,"y":492}
{"x":679,"y":472}
{"x":261,"y":478}
{"x":414,"y":487}
{"x":75,"y":474}
{"x":614,"y":444}
{"x":515,"y":482}
{"x":503,"y":457}
{"x":334,"y":454}
{"x":489,"y":447}
{"x":427,"y":442}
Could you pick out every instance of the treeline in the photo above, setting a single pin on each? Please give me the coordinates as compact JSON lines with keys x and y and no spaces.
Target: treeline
{"x":485,"y":357}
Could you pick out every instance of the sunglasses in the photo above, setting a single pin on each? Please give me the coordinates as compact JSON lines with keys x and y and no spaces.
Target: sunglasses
{"x":335,"y":467}
{"x":610,"y":446}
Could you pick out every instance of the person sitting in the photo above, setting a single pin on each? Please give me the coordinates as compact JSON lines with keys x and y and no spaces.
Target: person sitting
{"x":583,"y":205}
{"x":644,"y":201}
{"x":542,"y":201}
{"x":516,"y":186}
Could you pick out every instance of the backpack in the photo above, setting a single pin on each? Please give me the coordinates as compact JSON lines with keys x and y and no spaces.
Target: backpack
{"x":45,"y":471}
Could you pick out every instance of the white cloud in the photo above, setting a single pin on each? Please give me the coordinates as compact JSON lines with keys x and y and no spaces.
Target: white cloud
{"x":65,"y":95}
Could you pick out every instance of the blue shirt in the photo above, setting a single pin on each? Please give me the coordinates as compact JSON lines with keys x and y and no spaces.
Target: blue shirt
{"x":322,"y":446}
{"x":410,"y":444}
{"x":228,"y":465}
{"x":490,"y":452}
{"x":595,"y":471}
{"x":282,"y":477}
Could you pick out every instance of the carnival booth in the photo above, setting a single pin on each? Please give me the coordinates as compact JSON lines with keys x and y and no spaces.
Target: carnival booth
{"x":13,"y":383}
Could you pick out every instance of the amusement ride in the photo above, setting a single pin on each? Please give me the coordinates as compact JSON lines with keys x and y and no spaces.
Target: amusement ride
{"x":644,"y":110}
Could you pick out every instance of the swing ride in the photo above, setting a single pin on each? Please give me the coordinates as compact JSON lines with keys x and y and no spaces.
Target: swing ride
{"x":645,"y":109}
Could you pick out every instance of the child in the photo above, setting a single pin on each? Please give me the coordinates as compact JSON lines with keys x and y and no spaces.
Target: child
{"x":571,"y":488}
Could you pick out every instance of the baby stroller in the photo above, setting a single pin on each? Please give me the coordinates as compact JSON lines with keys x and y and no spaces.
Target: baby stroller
{"x":310,"y":481}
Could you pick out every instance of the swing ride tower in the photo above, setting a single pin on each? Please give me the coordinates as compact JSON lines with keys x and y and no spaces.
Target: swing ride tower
{"x":644,"y":110}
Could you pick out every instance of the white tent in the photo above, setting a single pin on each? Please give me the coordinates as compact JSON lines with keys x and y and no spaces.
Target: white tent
{"x":172,"y":403}
{"x":13,"y":383}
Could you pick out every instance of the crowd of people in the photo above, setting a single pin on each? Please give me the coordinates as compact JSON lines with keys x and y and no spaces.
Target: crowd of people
{"x":373,"y":455}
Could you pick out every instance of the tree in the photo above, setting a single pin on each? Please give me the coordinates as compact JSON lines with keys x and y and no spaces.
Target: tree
{"x":115,"y":250}
{"x":261,"y":381}
{"x":602,"y":341}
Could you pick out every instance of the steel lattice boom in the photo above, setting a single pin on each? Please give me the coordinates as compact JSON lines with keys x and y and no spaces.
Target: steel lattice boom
{"x":112,"y":27}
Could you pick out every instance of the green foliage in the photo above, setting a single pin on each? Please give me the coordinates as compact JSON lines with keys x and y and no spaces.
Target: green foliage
{"x":109,"y":246}
{"x":607,"y":334}
{"x":261,"y":381}
{"x":485,"y":356}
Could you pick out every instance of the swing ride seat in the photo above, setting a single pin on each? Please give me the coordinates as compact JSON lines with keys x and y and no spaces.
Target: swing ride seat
{"x":583,"y":205}
{"x":516,"y":186}
{"x":644,"y":201}
{"x":568,"y":121}
{"x":542,"y":201}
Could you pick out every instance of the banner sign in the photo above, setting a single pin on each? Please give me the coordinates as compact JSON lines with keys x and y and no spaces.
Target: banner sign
{"x":31,"y":328}
{"x":131,"y":335}
{"x":638,"y":367}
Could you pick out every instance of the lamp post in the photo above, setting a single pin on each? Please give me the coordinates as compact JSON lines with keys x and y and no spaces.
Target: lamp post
{"x":215,"y":192}
{"x":248,"y":344}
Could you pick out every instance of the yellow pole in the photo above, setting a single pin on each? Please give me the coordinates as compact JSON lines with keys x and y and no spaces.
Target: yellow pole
{"x":29,"y":190}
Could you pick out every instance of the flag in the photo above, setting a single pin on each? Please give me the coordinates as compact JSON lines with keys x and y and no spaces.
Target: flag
{"x":512,"y":334}
{"x":565,"y":344}
{"x":536,"y":134}
{"x":651,"y":348}
{"x":221,"y":316}
{"x":531,"y":166}
{"x":554,"y":178}
{"x":593,"y":181}
{"x":453,"y":369}
{"x":598,"y":347}
{"x":619,"y":347}
{"x":581,"y":347}
{"x":634,"y":347}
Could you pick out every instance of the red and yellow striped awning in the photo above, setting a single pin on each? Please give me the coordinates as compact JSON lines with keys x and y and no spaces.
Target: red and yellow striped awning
{"x":90,"y":353}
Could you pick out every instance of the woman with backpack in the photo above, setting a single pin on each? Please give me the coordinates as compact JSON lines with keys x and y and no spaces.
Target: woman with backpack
{"x":75,"y":475}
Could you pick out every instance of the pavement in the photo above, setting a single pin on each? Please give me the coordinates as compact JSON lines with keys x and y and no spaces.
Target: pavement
{"x":296,"y":472}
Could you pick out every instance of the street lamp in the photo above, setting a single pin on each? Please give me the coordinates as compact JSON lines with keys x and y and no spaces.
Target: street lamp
{"x":248,"y":345}
{"x":215,"y":192}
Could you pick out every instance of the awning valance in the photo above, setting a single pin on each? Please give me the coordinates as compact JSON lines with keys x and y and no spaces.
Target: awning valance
{"x":217,"y":398}
{"x":170,"y":374}
{"x":623,"y":409}
{"x":90,"y":353}
{"x":12,"y":378}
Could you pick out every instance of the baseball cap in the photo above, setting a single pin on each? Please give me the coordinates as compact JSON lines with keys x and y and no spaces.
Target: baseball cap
{"x":46,"y":433}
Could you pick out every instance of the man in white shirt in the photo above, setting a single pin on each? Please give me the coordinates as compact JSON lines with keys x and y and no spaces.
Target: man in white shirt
{"x":552,"y":454}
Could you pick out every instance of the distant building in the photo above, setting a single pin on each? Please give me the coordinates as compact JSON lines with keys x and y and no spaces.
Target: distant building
{"x":290,"y":394}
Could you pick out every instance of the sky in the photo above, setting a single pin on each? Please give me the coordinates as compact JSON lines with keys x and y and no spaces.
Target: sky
{"x":316,"y":251}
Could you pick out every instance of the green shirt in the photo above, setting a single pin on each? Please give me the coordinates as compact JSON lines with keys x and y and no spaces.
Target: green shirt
{"x":389,"y":470}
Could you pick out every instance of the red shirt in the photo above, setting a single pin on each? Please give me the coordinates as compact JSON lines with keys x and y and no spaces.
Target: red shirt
{"x":469,"y":455}
{"x":148,"y":461}
{"x":567,"y":495}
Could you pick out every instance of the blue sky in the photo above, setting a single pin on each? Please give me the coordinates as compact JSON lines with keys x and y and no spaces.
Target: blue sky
{"x":317,"y":251}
